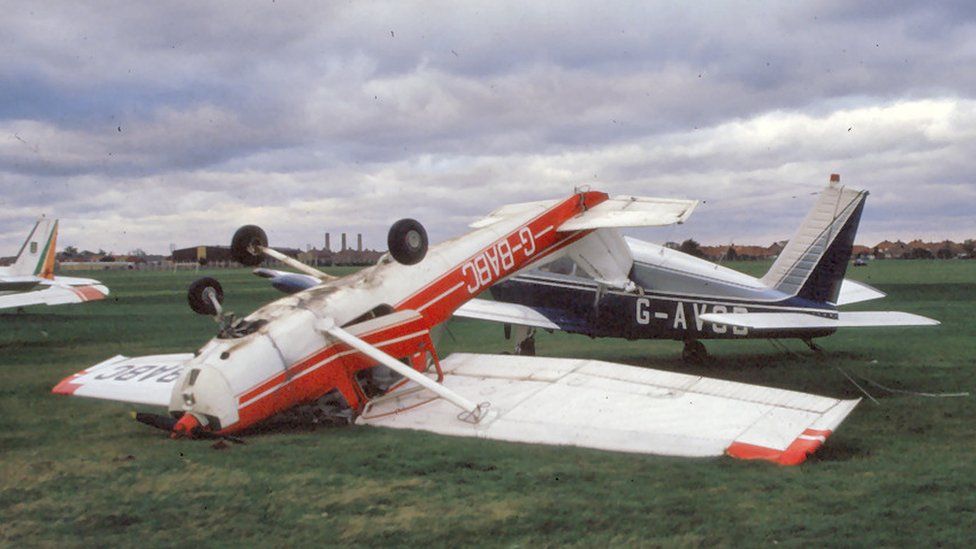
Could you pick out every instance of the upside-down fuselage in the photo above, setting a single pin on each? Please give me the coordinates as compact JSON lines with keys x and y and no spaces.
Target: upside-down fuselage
{"x":281,"y":357}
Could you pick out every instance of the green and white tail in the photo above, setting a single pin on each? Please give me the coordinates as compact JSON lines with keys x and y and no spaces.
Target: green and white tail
{"x":36,"y":256}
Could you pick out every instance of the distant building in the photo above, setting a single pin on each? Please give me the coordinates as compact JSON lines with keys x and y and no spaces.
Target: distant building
{"x":215,"y":254}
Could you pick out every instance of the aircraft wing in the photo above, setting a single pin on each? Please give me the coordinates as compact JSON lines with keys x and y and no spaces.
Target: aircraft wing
{"x":607,"y":406}
{"x":146,"y":380}
{"x":792,"y":321}
{"x":631,"y":211}
{"x":55,"y":294}
{"x":852,"y":291}
{"x":521,"y":315}
{"x":615,"y":212}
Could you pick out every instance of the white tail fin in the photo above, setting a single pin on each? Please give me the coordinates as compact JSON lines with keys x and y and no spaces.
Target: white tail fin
{"x":36,"y":256}
{"x":813,"y":264}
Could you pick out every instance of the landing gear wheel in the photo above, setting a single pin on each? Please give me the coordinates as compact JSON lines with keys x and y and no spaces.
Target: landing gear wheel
{"x":694,"y":352}
{"x":198,"y":295}
{"x":246,"y":244}
{"x":527,"y":347}
{"x":407,"y":241}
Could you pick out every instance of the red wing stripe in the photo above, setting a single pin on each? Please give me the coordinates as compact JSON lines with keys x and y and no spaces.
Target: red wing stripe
{"x":804,"y":445}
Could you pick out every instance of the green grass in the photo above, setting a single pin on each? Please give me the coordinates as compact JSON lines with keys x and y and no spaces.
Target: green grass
{"x":79,"y":472}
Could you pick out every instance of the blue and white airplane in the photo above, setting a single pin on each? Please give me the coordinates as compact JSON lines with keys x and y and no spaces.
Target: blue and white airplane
{"x":660,"y":293}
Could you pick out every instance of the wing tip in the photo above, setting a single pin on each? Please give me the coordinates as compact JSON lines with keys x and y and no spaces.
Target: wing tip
{"x":796,"y":453}
{"x":804,"y":445}
{"x":67,"y":386}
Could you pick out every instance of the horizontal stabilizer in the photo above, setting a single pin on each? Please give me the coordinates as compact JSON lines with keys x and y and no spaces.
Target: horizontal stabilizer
{"x":607,"y":406}
{"x":795,"y":321}
{"x":852,"y":291}
{"x":631,"y":211}
{"x":146,"y":380}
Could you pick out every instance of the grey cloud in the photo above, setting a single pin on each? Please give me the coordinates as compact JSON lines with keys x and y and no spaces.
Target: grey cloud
{"x":316,"y":113}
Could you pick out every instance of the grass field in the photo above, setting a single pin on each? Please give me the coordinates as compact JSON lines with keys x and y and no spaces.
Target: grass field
{"x":79,"y":472}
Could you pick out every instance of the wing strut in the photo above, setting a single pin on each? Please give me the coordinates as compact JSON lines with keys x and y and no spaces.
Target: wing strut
{"x":474,"y":412}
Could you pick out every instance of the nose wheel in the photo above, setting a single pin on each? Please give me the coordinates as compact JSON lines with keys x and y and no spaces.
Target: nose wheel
{"x":694,"y":352}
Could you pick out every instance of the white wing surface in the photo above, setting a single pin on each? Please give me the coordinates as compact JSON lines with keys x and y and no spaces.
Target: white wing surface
{"x":146,"y":380}
{"x":607,"y":406}
{"x":55,"y":294}
{"x":852,"y":291}
{"x":632,"y":211}
{"x":787,"y":321}
{"x":506,"y":313}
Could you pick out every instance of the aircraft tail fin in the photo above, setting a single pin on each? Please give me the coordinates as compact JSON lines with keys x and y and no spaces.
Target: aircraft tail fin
{"x":36,"y":256}
{"x":813,"y":263}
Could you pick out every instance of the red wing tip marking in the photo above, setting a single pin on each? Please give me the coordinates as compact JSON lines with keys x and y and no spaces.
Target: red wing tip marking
{"x":796,"y":453}
{"x":88,"y":293}
{"x":67,"y":386}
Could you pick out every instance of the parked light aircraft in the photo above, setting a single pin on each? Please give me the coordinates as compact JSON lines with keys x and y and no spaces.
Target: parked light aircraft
{"x":684,"y":298}
{"x":324,"y":350}
{"x":30,"y":279}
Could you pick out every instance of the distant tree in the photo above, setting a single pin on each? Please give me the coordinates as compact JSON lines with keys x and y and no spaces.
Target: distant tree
{"x":70,"y":251}
{"x":969,"y":246}
{"x":107,"y":259}
{"x":138,"y":252}
{"x":919,"y":253}
{"x":731,"y":254}
{"x":691,"y":247}
{"x":944,"y":253}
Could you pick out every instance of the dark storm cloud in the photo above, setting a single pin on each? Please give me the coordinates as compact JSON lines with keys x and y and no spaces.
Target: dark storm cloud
{"x":147,"y":124}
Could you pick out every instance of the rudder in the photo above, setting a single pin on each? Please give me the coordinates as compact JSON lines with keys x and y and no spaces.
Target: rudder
{"x":36,"y":256}
{"x":813,"y":263}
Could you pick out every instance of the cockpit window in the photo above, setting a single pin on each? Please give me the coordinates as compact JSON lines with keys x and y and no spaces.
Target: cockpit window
{"x":375,"y":312}
{"x":564,"y":266}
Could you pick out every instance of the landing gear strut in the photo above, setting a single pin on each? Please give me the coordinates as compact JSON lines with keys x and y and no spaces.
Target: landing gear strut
{"x":524,"y":337}
{"x":694,"y":352}
{"x":813,"y":346}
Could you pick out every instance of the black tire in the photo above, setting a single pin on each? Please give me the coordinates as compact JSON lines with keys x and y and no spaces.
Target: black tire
{"x":694,"y":352}
{"x":196,"y":295}
{"x":527,"y":347}
{"x":243,"y":247}
{"x":407,"y":241}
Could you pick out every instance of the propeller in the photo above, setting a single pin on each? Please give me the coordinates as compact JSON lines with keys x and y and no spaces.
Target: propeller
{"x":172,"y":425}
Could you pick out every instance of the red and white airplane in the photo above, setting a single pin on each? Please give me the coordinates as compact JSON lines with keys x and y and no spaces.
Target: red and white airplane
{"x":30,"y":279}
{"x":325,"y":350}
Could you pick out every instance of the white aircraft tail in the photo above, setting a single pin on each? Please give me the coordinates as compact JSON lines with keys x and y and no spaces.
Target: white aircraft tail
{"x":813,"y":263}
{"x":36,"y":256}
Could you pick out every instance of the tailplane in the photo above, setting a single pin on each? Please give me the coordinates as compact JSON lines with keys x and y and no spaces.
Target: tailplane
{"x":36,"y":256}
{"x":813,"y":263}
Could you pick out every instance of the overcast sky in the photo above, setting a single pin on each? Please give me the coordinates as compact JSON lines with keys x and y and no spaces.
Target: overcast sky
{"x":142,"y":124}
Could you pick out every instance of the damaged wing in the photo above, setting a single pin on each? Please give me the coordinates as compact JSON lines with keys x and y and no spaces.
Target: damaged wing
{"x":607,"y":406}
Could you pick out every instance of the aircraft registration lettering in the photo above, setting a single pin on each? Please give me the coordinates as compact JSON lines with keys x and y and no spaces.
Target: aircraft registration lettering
{"x":497,"y":259}
{"x":699,"y":309}
{"x":126,"y":372}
